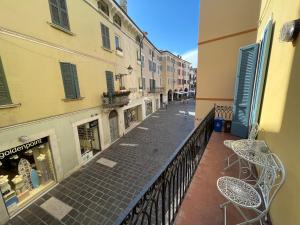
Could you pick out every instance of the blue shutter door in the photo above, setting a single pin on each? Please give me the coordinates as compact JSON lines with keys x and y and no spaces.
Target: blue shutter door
{"x":261,"y":72}
{"x":243,"y":90}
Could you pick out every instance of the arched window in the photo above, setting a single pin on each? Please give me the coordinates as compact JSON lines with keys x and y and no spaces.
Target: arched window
{"x":103,"y":7}
{"x":117,"y":20}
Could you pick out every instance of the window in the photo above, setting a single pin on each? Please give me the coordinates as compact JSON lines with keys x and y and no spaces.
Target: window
{"x":168,"y":58}
{"x":117,"y":43}
{"x":179,"y":81}
{"x":142,"y":83}
{"x":150,"y":65}
{"x":143,"y":61}
{"x":150,"y":52}
{"x":117,"y":20}
{"x":70,"y":80}
{"x":178,"y":71}
{"x":138,"y":55}
{"x":4,"y":92}
{"x":154,"y":67}
{"x":103,"y":7}
{"x":105,"y":36}
{"x":59,"y":13}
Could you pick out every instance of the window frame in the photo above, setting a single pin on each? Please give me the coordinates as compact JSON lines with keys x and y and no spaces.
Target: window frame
{"x":74,"y":81}
{"x":105,"y":5}
{"x":104,"y":35}
{"x":60,"y":10}
{"x":116,"y":22}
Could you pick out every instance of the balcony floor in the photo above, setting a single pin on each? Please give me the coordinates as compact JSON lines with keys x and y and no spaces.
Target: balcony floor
{"x":201,"y":203}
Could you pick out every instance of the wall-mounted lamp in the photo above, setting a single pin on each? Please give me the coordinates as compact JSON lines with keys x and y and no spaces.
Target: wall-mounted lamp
{"x":121,"y":75}
{"x":290,"y":30}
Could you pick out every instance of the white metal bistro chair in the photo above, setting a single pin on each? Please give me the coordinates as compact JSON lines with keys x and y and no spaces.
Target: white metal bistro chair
{"x":258,"y":197}
{"x":228,"y":143}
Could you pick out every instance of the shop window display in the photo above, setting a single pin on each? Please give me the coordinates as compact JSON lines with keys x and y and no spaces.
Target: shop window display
{"x":130,"y":116}
{"x":89,"y":139}
{"x":149,"y":109}
{"x":25,"y":171}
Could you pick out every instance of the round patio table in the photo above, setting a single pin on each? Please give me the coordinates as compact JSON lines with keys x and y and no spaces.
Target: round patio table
{"x":253,"y":151}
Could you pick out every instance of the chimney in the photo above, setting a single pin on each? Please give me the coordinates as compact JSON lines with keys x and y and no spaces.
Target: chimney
{"x":123,"y":4}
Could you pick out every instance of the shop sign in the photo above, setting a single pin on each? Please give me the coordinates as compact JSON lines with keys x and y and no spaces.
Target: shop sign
{"x":23,"y":147}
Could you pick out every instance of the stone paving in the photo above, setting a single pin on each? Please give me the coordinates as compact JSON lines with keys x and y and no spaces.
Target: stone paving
{"x":98,"y":193}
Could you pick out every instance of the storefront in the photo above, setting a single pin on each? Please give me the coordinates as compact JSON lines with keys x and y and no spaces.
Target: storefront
{"x":25,"y":172}
{"x":149,"y":107}
{"x":89,"y":139}
{"x":131,"y":116}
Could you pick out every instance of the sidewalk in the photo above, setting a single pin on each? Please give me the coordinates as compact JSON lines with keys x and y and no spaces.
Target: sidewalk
{"x":97,"y":193}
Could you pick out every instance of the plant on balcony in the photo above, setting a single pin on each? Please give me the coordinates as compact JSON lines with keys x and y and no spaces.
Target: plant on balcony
{"x":116,"y":93}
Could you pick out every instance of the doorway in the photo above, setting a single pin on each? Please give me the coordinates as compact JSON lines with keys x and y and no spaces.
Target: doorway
{"x":113,"y":125}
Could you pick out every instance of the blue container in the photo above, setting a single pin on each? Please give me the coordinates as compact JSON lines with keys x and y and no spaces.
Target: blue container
{"x":218,"y":123}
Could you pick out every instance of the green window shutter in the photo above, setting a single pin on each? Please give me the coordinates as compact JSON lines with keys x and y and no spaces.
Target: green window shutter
{"x":4,"y":92}
{"x":105,"y":36}
{"x":110,"y":82}
{"x":67,"y":76}
{"x":75,"y":80}
{"x":59,"y":13}
{"x":144,"y":83}
{"x":261,"y":72}
{"x":243,"y":90}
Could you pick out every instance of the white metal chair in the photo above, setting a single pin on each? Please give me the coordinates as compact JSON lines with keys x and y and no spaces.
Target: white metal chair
{"x":228,"y":143}
{"x":258,"y":197}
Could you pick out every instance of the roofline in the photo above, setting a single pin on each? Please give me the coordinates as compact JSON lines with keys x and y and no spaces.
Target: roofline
{"x":131,"y":20}
{"x":162,"y":51}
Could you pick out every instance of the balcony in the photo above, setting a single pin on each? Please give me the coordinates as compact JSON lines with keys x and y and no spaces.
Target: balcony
{"x":116,"y":99}
{"x":156,"y":90}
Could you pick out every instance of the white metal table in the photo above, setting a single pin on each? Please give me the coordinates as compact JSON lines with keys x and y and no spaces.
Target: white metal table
{"x":253,"y":152}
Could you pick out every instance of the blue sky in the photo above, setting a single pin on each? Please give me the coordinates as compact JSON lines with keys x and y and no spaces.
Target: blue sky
{"x":171,"y":24}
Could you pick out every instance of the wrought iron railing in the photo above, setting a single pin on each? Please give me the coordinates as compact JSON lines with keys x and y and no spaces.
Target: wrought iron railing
{"x":159,"y":201}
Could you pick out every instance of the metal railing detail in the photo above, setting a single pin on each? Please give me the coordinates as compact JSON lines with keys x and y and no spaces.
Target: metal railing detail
{"x":159,"y":201}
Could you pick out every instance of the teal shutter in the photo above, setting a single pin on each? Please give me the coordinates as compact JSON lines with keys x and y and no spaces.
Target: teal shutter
{"x":67,"y":76}
{"x":261,"y":72}
{"x":243,"y":90}
{"x":75,"y":80}
{"x":110,"y":82}
{"x":4,"y":91}
{"x":59,"y":13}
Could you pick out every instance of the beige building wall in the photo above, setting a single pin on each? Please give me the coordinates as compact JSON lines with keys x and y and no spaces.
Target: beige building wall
{"x":224,"y":27}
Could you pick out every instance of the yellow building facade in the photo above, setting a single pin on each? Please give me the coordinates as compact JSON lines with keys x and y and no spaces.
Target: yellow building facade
{"x":65,"y":84}
{"x":224,"y":27}
{"x":279,"y":117}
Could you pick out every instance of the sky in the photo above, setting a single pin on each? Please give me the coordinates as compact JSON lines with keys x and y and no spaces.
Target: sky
{"x":171,"y":24}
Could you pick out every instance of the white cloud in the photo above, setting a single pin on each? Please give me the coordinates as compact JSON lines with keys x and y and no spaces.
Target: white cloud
{"x":192,"y":57}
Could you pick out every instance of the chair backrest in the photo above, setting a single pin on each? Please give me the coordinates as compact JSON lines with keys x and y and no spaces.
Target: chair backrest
{"x":271,"y":179}
{"x":254,"y":131}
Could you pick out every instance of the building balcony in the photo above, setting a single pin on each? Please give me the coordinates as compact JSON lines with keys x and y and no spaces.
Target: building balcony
{"x":116,"y":99}
{"x":156,"y":90}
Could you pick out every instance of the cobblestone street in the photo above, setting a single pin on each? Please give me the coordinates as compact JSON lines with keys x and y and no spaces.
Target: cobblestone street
{"x":98,"y":193}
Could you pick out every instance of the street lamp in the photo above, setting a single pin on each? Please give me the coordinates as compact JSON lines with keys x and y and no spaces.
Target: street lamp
{"x":121,"y":75}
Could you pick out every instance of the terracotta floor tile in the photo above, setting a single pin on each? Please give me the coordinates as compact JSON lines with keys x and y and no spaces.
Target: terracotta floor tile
{"x":201,"y":203}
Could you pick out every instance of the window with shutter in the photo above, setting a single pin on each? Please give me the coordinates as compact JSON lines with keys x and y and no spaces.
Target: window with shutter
{"x":59,"y":13}
{"x":105,"y":36}
{"x":243,"y":90}
{"x":261,"y":72}
{"x":4,"y":91}
{"x":70,"y":80}
{"x":110,"y":82}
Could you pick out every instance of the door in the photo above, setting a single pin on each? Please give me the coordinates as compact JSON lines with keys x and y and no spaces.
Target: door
{"x":113,"y":125}
{"x":243,"y":90}
{"x":261,"y":72}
